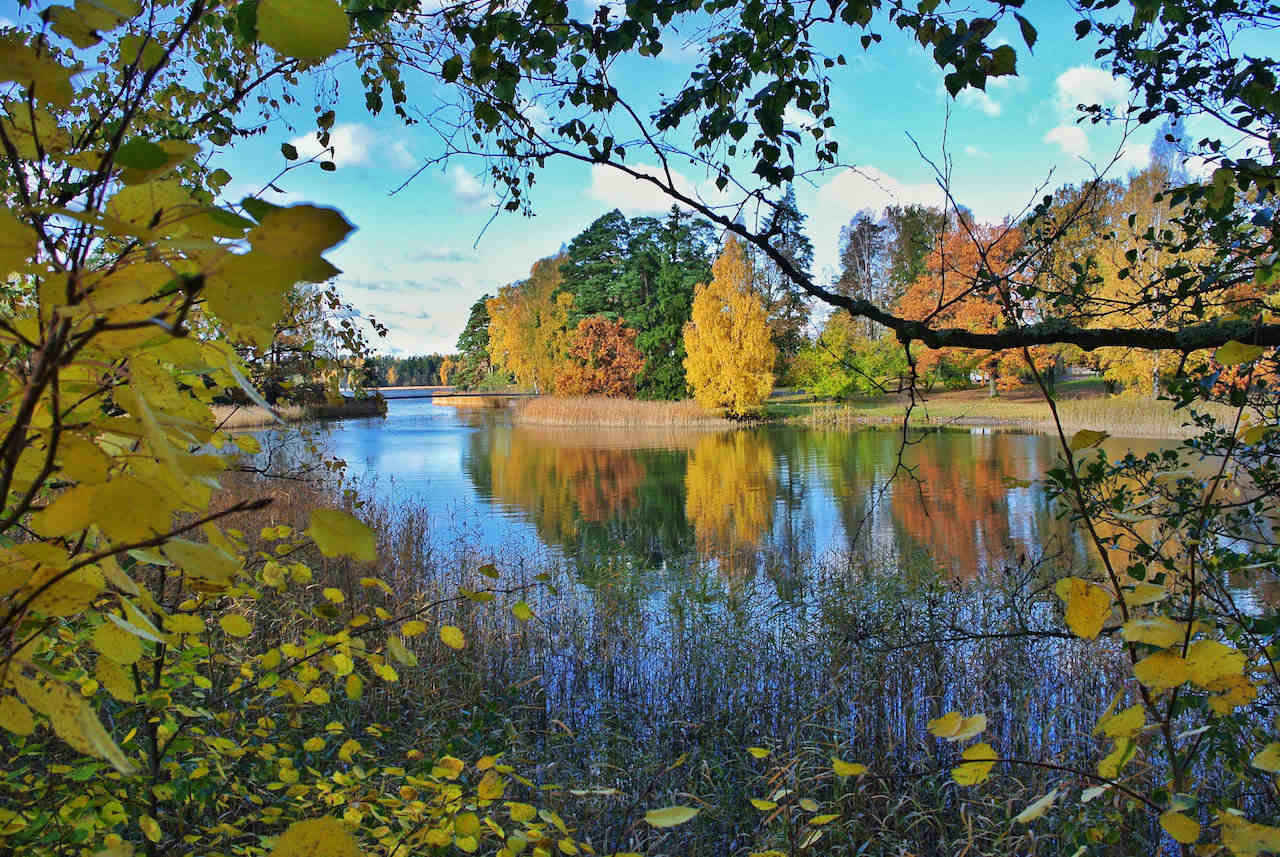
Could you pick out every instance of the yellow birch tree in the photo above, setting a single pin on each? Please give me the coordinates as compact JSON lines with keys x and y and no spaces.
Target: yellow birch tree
{"x":730,"y":353}
{"x":529,"y":327}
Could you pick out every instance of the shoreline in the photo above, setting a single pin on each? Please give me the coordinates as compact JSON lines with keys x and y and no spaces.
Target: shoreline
{"x":231,"y":417}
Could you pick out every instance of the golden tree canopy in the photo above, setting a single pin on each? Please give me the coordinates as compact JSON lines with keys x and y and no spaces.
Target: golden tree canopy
{"x":730,"y":353}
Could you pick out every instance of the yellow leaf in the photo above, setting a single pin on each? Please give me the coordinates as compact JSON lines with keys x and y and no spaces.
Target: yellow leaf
{"x":1181,"y":827}
{"x":1125,"y":724}
{"x":847,"y":769}
{"x":150,"y":827}
{"x":1087,"y":606}
{"x":452,"y":636}
{"x":808,"y":804}
{"x":521,"y":812}
{"x":1234,"y":353}
{"x":334,"y":595}
{"x":979,"y":760}
{"x":1086,"y":438}
{"x":763,"y":805}
{"x":449,"y":768}
{"x":1155,"y":631}
{"x":521,"y":611}
{"x":17,"y":243}
{"x":16,"y":717}
{"x":304,"y":29}
{"x":235,"y":625}
{"x":1209,"y":661}
{"x":1109,"y":768}
{"x":818,"y":820}
{"x":1141,"y":594}
{"x":758,"y":752}
{"x":1246,"y":839}
{"x":1037,"y":809}
{"x":1268,"y":759}
{"x":117,"y":682}
{"x":313,"y":745}
{"x":184,"y":623}
{"x":953,"y":726}
{"x":338,"y":534}
{"x":354,"y":686}
{"x":316,"y":837}
{"x":490,"y":786}
{"x":413,"y":628}
{"x":1161,"y":670}
{"x":1231,"y":692}
{"x":670,"y":816}
{"x":397,"y":650}
{"x":117,"y":644}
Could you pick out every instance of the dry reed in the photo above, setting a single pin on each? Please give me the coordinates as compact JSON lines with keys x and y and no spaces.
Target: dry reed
{"x":256,"y":416}
{"x":601,"y":411}
{"x":1121,"y":416}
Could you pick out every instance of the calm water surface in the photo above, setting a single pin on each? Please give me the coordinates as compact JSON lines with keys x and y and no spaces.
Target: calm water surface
{"x":766,"y":500}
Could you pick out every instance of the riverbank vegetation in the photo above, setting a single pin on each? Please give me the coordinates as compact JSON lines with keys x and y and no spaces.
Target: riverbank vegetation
{"x":604,"y":411}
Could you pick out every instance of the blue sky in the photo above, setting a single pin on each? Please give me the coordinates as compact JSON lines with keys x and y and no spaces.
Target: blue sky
{"x":421,"y":256}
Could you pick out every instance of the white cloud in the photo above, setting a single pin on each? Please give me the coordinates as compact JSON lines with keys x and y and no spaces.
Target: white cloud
{"x":619,"y":190}
{"x":1088,"y":85}
{"x":1135,"y":156}
{"x":467,"y":189}
{"x":1070,"y":138}
{"x":976,"y":152}
{"x":979,"y":99}
{"x":357,"y":145}
{"x":851,"y":191}
{"x":352,"y":144}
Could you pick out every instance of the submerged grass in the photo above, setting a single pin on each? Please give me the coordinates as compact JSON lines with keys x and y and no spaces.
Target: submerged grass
{"x":602,"y":411}
{"x":635,"y":688}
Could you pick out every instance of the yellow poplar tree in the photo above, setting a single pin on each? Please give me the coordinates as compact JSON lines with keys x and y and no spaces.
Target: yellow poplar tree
{"x":529,"y":327}
{"x":730,"y":353}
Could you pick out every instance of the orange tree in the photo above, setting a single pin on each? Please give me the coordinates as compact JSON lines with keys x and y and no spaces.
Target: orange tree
{"x":603,"y":360}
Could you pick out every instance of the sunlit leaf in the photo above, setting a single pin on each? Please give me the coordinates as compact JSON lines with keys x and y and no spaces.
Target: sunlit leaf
{"x":1125,"y":724}
{"x":979,"y":760}
{"x":1111,"y":765}
{"x":1037,"y":809}
{"x":452,"y":636}
{"x":670,"y":816}
{"x":1181,"y":827}
{"x":763,"y":805}
{"x":235,"y":625}
{"x":1268,"y":759}
{"x":1162,"y":670}
{"x":521,"y":611}
{"x":1235,"y":353}
{"x":847,"y":769}
{"x":1156,"y":631}
{"x":304,"y":29}
{"x":758,"y":752}
{"x":316,"y":837}
{"x":954,"y":726}
{"x":1086,"y":438}
{"x":1209,"y":661}
{"x":338,"y":534}
{"x":1087,"y":606}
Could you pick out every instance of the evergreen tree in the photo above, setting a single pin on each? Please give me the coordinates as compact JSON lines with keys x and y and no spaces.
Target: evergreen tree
{"x":864,"y":261}
{"x":784,"y":300}
{"x":473,"y":347}
{"x":595,"y":268}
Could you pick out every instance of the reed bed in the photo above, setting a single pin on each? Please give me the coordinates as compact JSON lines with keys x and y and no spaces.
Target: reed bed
{"x":634,"y":688}
{"x":1121,"y":416}
{"x":256,"y":416}
{"x":473,"y":400}
{"x":602,"y":411}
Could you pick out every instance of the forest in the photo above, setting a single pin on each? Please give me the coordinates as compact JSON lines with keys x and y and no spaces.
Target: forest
{"x":215,"y":642}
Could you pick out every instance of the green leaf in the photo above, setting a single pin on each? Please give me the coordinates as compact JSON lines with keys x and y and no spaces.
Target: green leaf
{"x":1029,"y":34}
{"x":521,"y":611}
{"x":141,"y":155}
{"x":289,"y":151}
{"x":1086,"y":438}
{"x":339,"y":534}
{"x":670,"y":816}
{"x":1235,"y":353}
{"x":304,"y":29}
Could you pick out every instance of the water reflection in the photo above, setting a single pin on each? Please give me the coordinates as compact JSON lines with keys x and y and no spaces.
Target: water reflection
{"x":771,"y":500}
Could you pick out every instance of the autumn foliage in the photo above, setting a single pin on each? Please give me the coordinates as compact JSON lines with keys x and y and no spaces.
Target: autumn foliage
{"x":965,"y":286}
{"x":730,"y":354}
{"x":603,"y":360}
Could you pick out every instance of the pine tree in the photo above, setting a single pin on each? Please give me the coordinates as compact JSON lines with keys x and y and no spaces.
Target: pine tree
{"x":473,"y":347}
{"x":595,"y":267}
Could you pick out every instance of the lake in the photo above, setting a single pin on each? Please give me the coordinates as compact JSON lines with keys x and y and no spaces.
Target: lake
{"x":766,"y":500}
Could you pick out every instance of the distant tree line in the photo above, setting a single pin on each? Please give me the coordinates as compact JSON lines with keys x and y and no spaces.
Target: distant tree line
{"x":420,"y":370}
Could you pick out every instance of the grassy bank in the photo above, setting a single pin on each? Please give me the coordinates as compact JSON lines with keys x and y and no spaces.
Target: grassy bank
{"x":646,"y":687}
{"x":601,"y":411}
{"x":1020,"y":410}
{"x":256,"y":416}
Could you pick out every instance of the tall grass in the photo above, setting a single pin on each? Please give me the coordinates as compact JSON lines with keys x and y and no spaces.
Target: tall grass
{"x":645,"y":687}
{"x":602,"y":411}
{"x":255,"y":416}
{"x":1121,"y":416}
